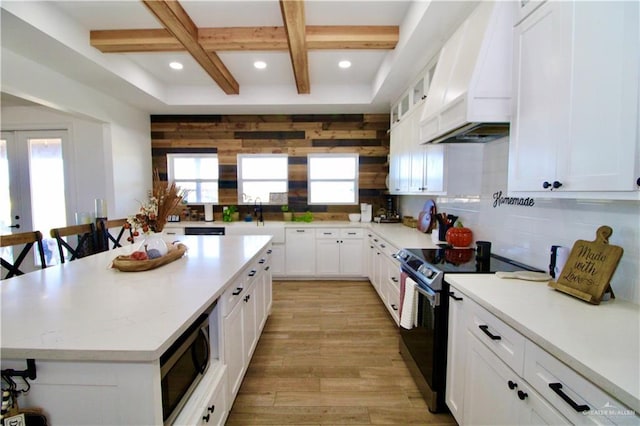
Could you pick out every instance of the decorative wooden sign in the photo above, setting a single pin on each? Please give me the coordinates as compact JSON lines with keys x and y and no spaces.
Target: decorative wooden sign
{"x":589,"y":269}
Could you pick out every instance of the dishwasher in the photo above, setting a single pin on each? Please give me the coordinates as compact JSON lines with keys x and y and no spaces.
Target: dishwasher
{"x":204,"y":230}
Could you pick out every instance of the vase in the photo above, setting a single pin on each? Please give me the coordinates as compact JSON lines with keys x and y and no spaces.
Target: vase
{"x":153,"y":241}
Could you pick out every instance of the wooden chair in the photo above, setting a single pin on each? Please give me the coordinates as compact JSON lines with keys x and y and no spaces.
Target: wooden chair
{"x":108,"y":237}
{"x":26,"y":238}
{"x":86,"y":241}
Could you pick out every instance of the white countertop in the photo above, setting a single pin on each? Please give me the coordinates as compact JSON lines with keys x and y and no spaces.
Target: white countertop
{"x":395,"y":233}
{"x":83,"y":310}
{"x":601,"y":342}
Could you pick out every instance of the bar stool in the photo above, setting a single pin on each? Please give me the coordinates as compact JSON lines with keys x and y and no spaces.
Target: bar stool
{"x":106,"y":236}
{"x":86,"y":241}
{"x":26,"y":238}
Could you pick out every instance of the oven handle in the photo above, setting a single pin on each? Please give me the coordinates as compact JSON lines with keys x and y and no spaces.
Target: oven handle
{"x":432,"y":296}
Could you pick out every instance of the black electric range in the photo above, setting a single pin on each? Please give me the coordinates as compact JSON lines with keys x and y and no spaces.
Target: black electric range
{"x":423,"y":343}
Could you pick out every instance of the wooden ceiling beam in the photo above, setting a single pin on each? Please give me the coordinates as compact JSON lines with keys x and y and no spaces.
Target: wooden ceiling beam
{"x":247,"y":38}
{"x":294,"y":25}
{"x":129,"y":41}
{"x":174,"y":18}
{"x":352,"y":37}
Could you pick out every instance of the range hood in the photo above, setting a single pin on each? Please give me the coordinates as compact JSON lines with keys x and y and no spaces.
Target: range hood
{"x":469,"y":99}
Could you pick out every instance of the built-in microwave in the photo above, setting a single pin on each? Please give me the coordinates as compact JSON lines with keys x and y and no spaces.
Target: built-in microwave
{"x":182,"y":367}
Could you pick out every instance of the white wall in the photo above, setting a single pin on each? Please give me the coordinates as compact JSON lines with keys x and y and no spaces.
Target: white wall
{"x":526,"y":234}
{"x":117,"y":134}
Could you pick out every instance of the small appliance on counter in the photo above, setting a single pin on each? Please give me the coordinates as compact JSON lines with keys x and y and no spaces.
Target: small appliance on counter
{"x":365,"y":212}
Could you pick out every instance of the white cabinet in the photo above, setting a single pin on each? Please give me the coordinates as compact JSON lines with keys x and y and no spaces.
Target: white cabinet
{"x":400,"y":159}
{"x":278,"y":267}
{"x":494,"y":394}
{"x":300,"y":252}
{"x":456,"y":355}
{"x":495,"y":375}
{"x":574,"y":130}
{"x":384,"y":273}
{"x":208,"y":404}
{"x":339,"y":251}
{"x":234,"y":347}
{"x":245,"y":307}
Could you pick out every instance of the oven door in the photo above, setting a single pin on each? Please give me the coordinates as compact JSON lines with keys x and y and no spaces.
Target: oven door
{"x":424,"y":347}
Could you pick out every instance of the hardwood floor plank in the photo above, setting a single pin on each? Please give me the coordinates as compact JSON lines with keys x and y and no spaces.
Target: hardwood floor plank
{"x":329,"y":356}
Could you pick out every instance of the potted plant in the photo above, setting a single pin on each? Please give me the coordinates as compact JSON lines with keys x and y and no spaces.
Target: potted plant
{"x":229,"y":214}
{"x":287,"y":215}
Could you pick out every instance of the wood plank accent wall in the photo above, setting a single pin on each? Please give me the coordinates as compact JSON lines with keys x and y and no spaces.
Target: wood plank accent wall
{"x":295,"y":135}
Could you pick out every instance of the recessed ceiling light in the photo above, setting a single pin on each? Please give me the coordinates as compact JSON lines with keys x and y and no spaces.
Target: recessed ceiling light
{"x":176,"y":65}
{"x":344,"y":64}
{"x":260,"y":65}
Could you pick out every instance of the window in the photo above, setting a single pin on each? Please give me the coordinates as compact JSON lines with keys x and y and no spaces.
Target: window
{"x":333,"y":178}
{"x":260,"y":176}
{"x":195,"y":173}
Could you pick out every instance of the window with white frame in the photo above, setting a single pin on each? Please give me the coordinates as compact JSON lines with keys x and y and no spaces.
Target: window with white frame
{"x":333,"y":178}
{"x":197,"y":174}
{"x":261,"y":176}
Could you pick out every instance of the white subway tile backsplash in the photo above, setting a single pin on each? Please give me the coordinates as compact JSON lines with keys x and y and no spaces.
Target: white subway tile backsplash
{"x":526,"y":234}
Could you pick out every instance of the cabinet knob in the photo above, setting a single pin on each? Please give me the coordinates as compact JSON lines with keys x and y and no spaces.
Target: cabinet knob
{"x":206,"y":418}
{"x":512,"y":384}
{"x":211,"y":408}
{"x":556,"y":184}
{"x":638,"y":182}
{"x":522,"y":395}
{"x":546,"y":185}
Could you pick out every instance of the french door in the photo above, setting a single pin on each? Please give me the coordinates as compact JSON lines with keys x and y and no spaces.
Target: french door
{"x":32,"y":192}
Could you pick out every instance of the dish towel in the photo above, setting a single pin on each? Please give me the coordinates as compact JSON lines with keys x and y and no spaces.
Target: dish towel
{"x":408,"y":306}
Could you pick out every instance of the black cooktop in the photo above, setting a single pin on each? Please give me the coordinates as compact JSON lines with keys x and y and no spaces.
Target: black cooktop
{"x":463,"y":260}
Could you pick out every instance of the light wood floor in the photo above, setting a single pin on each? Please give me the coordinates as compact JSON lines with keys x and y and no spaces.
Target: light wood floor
{"x":329,"y":356}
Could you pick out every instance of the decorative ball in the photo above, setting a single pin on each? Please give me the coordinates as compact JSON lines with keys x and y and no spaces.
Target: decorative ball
{"x":153,"y":253}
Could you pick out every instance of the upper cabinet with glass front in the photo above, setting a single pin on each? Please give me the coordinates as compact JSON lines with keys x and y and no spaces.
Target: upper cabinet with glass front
{"x":414,"y":95}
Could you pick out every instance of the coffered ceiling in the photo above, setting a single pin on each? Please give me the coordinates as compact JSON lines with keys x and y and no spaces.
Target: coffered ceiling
{"x":124,"y":48}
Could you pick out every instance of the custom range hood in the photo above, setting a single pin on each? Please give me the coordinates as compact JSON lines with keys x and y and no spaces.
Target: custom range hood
{"x":469,"y":99}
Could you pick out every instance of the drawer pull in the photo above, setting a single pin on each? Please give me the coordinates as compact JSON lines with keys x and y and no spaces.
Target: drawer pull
{"x":383,"y":246}
{"x":299,"y":230}
{"x":452,"y":294}
{"x":512,"y":384}
{"x":394,"y":279}
{"x":252,"y":273}
{"x":269,"y":251}
{"x":261,"y":261}
{"x":238,"y":291}
{"x":351,"y":233}
{"x":485,"y":330}
{"x":394,"y":307}
{"x":522,"y":395}
{"x":557,"y":388}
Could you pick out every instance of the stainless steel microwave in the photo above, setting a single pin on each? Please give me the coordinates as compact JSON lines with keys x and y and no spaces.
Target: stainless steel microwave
{"x":182,"y":367}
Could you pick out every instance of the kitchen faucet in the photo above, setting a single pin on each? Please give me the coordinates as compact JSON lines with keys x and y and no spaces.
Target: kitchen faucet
{"x":257,"y":211}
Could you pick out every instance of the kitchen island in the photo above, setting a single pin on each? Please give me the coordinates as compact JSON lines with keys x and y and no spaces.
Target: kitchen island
{"x":97,"y":334}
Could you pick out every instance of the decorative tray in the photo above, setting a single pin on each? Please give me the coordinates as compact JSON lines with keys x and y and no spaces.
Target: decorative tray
{"x":126,"y":264}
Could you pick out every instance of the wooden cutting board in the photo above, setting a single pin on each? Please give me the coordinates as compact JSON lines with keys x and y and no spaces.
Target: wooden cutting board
{"x":590,"y":266}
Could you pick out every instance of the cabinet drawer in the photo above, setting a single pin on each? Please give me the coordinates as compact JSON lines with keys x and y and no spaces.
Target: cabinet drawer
{"x":579,"y":400}
{"x":327,"y":233}
{"x":351,"y":233}
{"x":503,"y":340}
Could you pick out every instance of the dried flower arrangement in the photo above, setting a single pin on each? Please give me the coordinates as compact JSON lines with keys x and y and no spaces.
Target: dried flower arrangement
{"x":163,"y":199}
